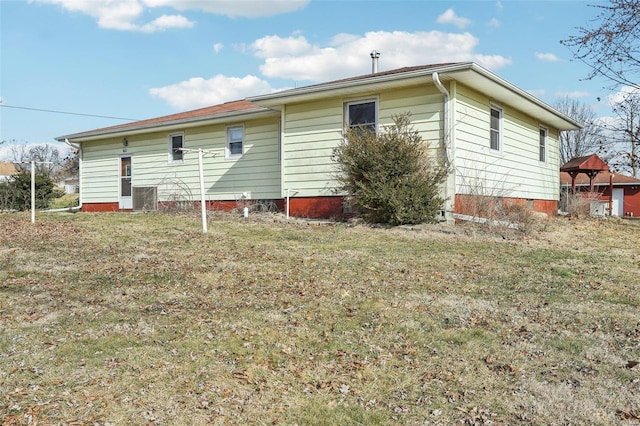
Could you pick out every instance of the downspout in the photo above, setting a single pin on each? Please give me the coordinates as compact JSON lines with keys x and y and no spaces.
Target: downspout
{"x":446,"y":143}
{"x":79,"y":148}
{"x":445,"y":95}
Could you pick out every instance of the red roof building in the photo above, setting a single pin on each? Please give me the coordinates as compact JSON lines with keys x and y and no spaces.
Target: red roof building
{"x":625,"y":199}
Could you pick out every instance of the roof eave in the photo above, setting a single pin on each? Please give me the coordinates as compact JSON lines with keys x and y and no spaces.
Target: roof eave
{"x":542,"y":110}
{"x":309,"y":93}
{"x":463,"y":72}
{"x":168,"y":125}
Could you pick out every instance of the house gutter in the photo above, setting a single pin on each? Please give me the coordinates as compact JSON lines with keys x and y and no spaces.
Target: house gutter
{"x":450,"y":181}
{"x":318,"y":90}
{"x":145,"y":126}
{"x":79,"y":148}
{"x":446,"y":96}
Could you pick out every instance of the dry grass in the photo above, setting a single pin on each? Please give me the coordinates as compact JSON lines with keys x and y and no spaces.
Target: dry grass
{"x":141,"y":319}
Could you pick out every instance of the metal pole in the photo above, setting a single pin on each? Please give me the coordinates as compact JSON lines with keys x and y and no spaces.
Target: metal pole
{"x":288,"y":191}
{"x":610,"y":194}
{"x":202,"y":205}
{"x":33,"y":192}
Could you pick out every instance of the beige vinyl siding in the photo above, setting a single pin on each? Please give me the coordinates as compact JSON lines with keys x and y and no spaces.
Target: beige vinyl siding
{"x":256,"y":173}
{"x":514,"y":170}
{"x":100,"y":171}
{"x":313,"y":129}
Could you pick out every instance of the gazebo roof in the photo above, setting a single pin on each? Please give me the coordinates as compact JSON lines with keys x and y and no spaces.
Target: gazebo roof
{"x":602,"y":179}
{"x":590,"y":165}
{"x":586,"y":164}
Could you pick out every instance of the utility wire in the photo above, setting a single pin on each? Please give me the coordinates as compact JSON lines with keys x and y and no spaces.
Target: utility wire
{"x":67,"y":112}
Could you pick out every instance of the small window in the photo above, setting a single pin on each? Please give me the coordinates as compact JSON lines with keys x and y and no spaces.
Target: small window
{"x":543,"y":144}
{"x":362,"y":114}
{"x":176,"y":143}
{"x":496,"y":128}
{"x":235,"y":142}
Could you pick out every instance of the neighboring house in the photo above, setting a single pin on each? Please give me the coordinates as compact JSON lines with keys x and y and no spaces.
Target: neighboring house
{"x":70,"y":185}
{"x":626,"y":190}
{"x":500,"y":140}
{"x":6,"y":171}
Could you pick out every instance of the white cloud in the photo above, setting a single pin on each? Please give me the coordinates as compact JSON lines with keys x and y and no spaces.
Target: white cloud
{"x":166,"y":21}
{"x":345,"y":55}
{"x":217,"y":47}
{"x":121,"y":14}
{"x":620,"y":96}
{"x":348,"y":55}
{"x":234,"y":8}
{"x":273,"y":46}
{"x":450,"y":17}
{"x":547,"y":57}
{"x":199,"y":92}
{"x":573,"y":95}
{"x":124,"y":15}
{"x":494,"y":22}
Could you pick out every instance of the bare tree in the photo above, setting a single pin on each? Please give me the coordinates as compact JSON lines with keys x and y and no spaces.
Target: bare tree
{"x":576,"y":143}
{"x":46,"y":156}
{"x":20,"y":155}
{"x":612,"y":46}
{"x":70,"y":165}
{"x":623,"y":149}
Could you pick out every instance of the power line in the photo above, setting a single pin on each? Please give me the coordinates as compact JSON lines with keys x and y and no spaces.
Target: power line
{"x":67,"y":112}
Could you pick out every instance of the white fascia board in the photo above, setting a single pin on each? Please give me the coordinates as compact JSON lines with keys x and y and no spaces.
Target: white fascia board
{"x":503,"y":90}
{"x":349,"y":86}
{"x":467,"y":73}
{"x":169,"y":125}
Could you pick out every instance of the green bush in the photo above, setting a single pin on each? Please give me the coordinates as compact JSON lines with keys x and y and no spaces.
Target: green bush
{"x":388,"y":177}
{"x":15,"y":194}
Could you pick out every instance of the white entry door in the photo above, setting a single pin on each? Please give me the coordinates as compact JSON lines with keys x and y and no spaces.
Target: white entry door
{"x":618,"y":202}
{"x":125,"y":201}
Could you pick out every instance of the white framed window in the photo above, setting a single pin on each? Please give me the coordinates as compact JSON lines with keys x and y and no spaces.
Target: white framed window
{"x":542,"y":150}
{"x":362,"y":113}
{"x":235,"y":142}
{"x":495,"y":128}
{"x":176,"y":143}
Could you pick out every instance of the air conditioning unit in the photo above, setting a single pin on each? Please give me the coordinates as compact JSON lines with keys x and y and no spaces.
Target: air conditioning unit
{"x":145,"y":198}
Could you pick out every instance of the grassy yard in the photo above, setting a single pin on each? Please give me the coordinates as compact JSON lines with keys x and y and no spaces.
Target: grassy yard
{"x":115,"y":319}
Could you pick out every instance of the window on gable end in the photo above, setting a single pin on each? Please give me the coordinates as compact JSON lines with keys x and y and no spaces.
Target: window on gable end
{"x":176,"y":143}
{"x":495,"y":129}
{"x":542,"y":156}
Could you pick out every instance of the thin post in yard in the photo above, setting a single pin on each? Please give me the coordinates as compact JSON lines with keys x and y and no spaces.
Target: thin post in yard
{"x":33,"y":192}
{"x":203,"y":208}
{"x":33,"y":186}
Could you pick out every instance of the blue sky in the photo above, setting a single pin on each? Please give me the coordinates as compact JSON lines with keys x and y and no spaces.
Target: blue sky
{"x":146,"y":58}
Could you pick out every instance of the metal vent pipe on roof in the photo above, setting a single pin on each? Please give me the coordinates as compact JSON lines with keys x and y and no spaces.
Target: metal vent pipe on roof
{"x":374,"y":61}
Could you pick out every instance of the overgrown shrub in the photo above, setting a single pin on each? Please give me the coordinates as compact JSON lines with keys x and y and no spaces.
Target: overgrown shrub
{"x":389,"y":177}
{"x":579,"y":204}
{"x":15,"y":194}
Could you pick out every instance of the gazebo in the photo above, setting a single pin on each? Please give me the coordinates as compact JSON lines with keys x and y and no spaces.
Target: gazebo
{"x":590,"y":165}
